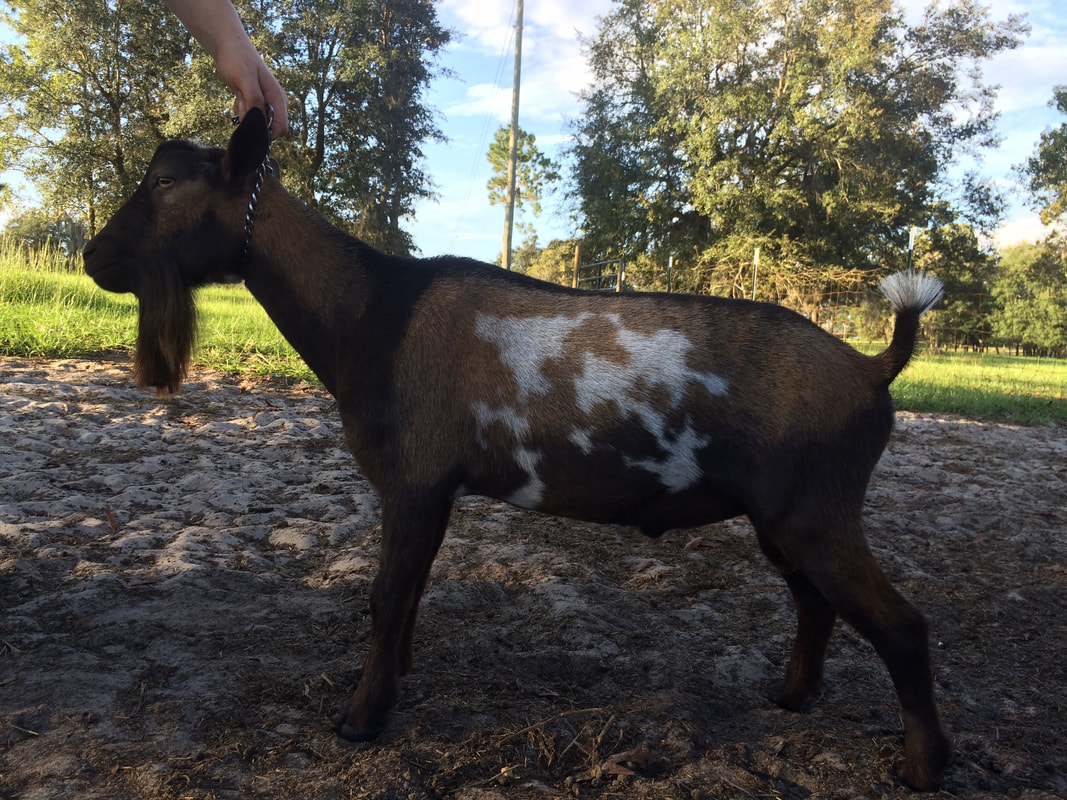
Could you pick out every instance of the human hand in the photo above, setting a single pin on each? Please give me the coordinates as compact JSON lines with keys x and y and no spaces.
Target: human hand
{"x":255,"y":85}
{"x":217,"y":26}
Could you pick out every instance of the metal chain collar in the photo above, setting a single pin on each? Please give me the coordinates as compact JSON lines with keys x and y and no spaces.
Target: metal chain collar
{"x":261,"y":171}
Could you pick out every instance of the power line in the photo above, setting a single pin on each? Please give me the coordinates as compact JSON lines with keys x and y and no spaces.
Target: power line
{"x":479,"y":152}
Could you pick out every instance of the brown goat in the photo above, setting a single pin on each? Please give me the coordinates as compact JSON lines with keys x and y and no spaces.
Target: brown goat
{"x":455,"y":378}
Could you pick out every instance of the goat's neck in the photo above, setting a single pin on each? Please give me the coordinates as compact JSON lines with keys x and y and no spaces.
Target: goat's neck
{"x":308,"y":278}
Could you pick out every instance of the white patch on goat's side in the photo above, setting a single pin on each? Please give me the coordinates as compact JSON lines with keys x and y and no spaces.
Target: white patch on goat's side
{"x":654,"y":370}
{"x":530,"y":494}
{"x":658,"y":361}
{"x":582,"y":438}
{"x":679,"y":469}
{"x":525,"y":344}
{"x":512,"y":420}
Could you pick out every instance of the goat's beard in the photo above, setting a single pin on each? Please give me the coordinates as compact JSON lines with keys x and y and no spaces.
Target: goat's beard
{"x":166,"y":330}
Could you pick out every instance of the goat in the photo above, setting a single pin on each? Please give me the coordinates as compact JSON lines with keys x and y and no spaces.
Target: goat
{"x":454,"y":378}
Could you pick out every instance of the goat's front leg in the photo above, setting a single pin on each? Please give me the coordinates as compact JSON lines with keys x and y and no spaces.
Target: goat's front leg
{"x":411,"y":536}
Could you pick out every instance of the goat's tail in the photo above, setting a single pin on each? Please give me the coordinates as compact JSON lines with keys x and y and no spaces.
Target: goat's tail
{"x":911,"y":293}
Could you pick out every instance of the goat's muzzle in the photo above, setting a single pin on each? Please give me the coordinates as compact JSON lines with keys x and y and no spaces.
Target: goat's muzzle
{"x":105,"y":271}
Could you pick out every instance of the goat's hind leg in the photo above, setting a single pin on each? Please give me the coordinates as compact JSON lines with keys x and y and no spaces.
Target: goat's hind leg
{"x":407,"y":634}
{"x":839,"y":566}
{"x":411,"y":536}
{"x":815,"y":623}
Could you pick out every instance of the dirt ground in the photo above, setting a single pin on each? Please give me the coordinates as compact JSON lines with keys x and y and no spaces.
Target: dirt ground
{"x":183,"y":610}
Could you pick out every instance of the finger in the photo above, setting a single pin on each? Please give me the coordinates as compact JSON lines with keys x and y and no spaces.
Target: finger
{"x":275,"y":96}
{"x":281,"y":118}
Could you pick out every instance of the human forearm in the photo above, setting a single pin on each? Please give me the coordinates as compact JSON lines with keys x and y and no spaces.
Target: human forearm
{"x":218,"y":28}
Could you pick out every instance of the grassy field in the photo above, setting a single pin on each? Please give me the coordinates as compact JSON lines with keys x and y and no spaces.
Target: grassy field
{"x":47,"y":311}
{"x":1029,"y":391}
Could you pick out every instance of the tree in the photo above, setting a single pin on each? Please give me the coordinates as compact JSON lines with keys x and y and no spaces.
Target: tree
{"x":405,"y":39}
{"x":37,"y":230}
{"x":535,"y":172}
{"x":91,"y":87}
{"x":554,"y":262}
{"x":955,"y":255}
{"x":630,"y":180}
{"x":1030,"y":290}
{"x":86,"y":94}
{"x":358,"y":71}
{"x":1045,"y":173}
{"x":819,"y":131}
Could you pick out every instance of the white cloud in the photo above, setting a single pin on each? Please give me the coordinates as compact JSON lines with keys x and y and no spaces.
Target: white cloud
{"x":1023,"y":228}
{"x":553,"y":140}
{"x":566,"y":18}
{"x":488,"y":25}
{"x":1026,"y":75}
{"x":480,"y":25}
{"x":553,"y":67}
{"x":482,"y":99}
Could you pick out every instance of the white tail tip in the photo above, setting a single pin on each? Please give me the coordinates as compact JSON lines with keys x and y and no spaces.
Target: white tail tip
{"x":912,"y":290}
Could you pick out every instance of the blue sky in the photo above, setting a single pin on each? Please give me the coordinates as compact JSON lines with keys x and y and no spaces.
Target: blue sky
{"x":478,"y":101}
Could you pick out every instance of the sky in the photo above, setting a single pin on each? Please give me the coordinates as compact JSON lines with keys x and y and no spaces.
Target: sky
{"x":477,"y":101}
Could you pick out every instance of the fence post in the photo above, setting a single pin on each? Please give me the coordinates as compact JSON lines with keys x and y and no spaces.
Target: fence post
{"x":577,"y":263}
{"x":755,"y":271}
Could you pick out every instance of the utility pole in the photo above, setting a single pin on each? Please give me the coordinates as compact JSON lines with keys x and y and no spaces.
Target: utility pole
{"x":505,"y":256}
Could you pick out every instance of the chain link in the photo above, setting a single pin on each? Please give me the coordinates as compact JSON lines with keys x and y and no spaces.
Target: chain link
{"x":257,"y":186}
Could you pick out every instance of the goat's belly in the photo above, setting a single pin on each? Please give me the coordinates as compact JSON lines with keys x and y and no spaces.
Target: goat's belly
{"x":653,"y":514}
{"x":653,"y":496}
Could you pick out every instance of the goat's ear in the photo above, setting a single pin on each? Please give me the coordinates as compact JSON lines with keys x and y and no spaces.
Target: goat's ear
{"x":248,"y":145}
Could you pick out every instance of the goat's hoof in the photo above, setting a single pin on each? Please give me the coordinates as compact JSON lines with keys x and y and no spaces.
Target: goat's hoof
{"x":793,"y":699}
{"x":925,"y":772}
{"x":922,"y":779}
{"x":356,"y":725}
{"x":358,"y":732}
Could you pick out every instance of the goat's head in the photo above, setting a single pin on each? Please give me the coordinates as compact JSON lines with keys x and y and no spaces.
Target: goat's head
{"x":183,"y":227}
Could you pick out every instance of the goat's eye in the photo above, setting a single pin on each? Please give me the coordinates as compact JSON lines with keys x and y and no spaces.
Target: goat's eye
{"x":164,"y":182}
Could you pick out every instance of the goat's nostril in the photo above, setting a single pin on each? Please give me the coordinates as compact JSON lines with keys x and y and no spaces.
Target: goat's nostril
{"x":89,"y":249}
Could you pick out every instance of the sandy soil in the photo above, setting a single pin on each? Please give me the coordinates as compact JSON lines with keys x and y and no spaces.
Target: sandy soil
{"x":183,"y":610}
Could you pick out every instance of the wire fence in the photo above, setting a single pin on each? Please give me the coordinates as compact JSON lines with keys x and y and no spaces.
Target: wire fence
{"x":849,"y":306}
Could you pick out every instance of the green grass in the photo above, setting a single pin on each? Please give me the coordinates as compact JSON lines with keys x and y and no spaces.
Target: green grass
{"x":1028,"y":391}
{"x":47,"y":311}
{"x":236,"y":335}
